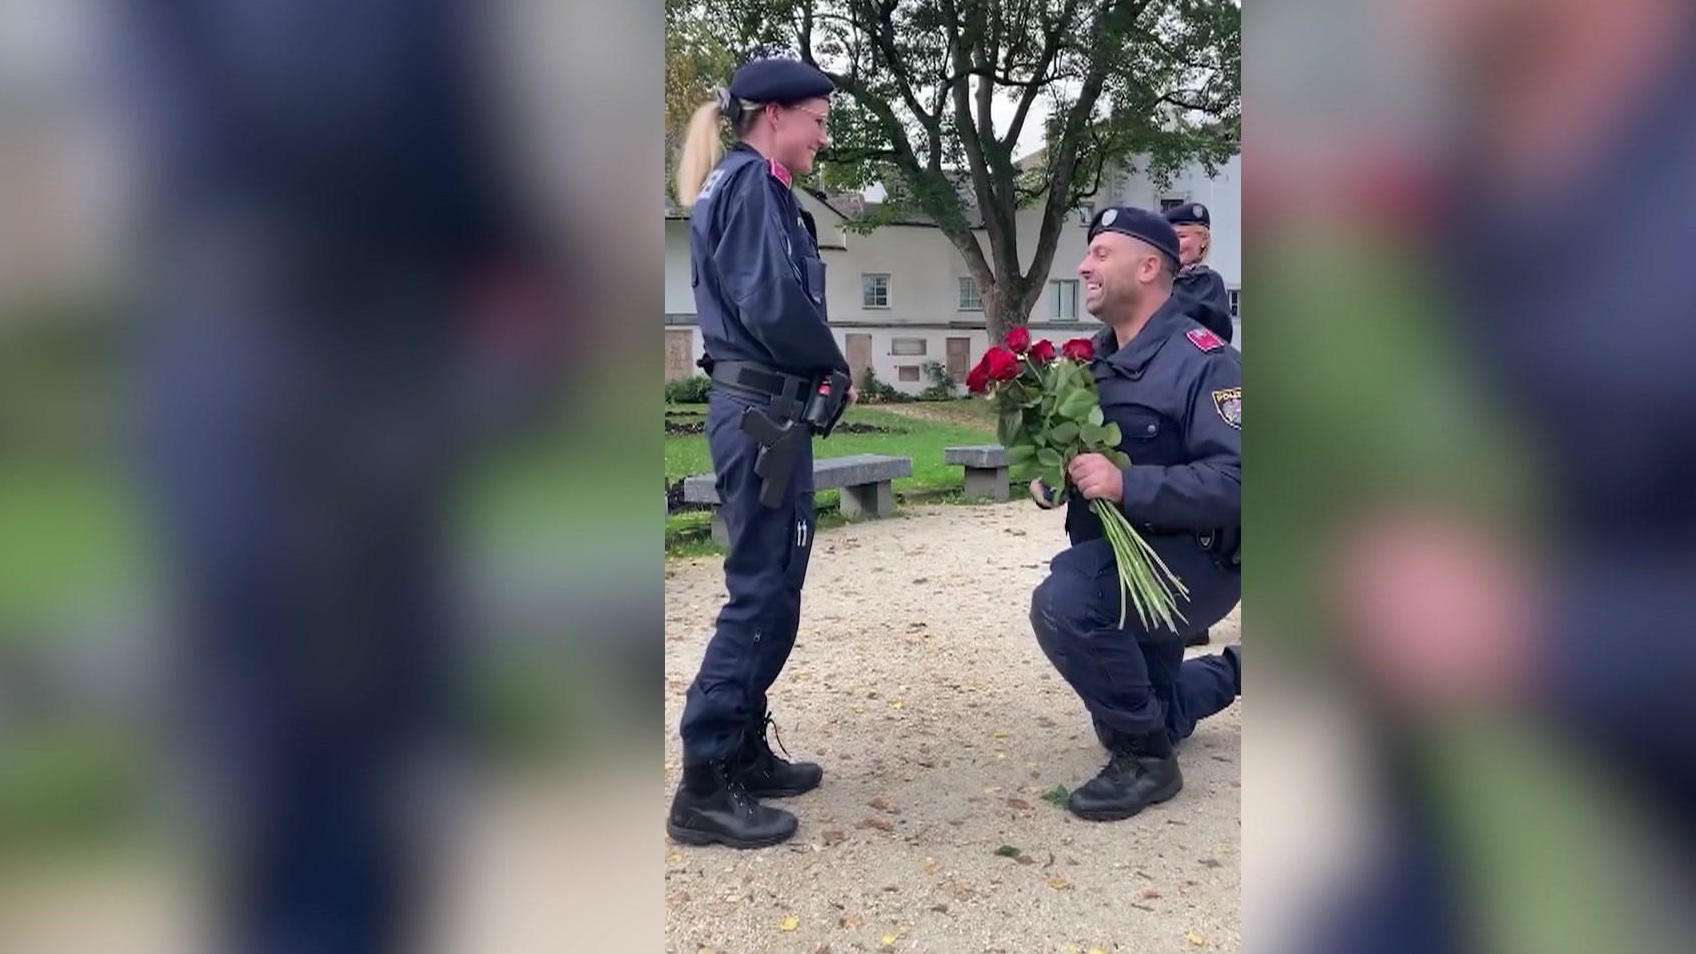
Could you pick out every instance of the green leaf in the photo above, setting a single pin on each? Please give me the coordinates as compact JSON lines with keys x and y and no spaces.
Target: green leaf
{"x":1020,"y":454}
{"x":1008,"y":851}
{"x":1063,"y":433}
{"x":1008,"y":427}
{"x":1118,"y":457}
{"x":1094,"y":436}
{"x":1095,"y":416}
{"x":1077,"y":405}
{"x":1048,"y":457}
{"x":1056,"y":795}
{"x":1052,"y":476}
{"x":1113,"y":434}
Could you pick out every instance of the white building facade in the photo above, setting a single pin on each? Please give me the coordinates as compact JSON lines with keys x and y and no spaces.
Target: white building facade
{"x":900,"y":298}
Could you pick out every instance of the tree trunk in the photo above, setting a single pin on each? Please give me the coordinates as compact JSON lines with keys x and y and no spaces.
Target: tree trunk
{"x":1008,"y":307}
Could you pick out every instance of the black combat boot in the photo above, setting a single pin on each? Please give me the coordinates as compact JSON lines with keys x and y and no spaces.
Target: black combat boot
{"x":765,"y":775}
{"x":711,"y":806}
{"x":1198,"y":639}
{"x":1140,"y":772}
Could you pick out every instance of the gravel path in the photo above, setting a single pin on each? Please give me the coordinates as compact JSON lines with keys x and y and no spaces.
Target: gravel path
{"x":918,"y":685}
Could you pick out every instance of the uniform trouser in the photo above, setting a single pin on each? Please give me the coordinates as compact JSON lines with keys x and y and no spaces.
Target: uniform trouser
{"x":763,"y":572}
{"x":1134,"y":680}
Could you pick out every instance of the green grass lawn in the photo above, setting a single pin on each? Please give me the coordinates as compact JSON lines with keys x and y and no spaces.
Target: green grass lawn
{"x":918,"y":431}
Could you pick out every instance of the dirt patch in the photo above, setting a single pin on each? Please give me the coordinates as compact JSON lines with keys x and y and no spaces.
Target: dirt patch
{"x":941,"y":726}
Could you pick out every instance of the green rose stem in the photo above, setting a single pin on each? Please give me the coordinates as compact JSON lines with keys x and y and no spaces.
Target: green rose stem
{"x":1154,"y":593}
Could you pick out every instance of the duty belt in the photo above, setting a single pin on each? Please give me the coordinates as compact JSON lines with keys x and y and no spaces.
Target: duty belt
{"x":786,"y":394}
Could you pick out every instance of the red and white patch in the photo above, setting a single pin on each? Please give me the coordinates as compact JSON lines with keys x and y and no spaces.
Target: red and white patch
{"x":1204,"y":339}
{"x":780,"y":173}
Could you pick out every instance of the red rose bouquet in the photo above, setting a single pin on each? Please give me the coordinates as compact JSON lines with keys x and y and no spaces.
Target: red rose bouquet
{"x":1050,"y":413}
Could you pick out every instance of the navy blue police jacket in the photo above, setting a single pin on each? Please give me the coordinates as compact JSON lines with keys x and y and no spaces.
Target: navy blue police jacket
{"x":1205,"y":299}
{"x":756,"y":270}
{"x":1175,"y":390}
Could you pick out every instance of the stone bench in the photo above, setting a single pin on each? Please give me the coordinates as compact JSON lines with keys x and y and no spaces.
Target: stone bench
{"x":986,"y":469}
{"x":864,"y":479}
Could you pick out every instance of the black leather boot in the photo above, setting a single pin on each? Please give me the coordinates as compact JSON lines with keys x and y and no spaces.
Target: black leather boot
{"x":1141,"y":771}
{"x":711,"y":806}
{"x":1198,"y":639}
{"x":765,"y":775}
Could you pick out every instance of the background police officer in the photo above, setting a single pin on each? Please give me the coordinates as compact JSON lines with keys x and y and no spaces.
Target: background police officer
{"x":759,"y":291}
{"x":1175,"y":390}
{"x":1201,"y":289}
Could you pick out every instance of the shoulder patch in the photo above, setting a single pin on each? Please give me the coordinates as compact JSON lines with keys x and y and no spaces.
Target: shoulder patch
{"x":1204,"y":339}
{"x":709,"y":186}
{"x":1229,"y":404}
{"x":780,"y":173}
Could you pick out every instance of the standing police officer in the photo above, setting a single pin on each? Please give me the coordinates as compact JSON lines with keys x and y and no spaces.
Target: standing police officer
{"x":1201,"y":288}
{"x":1175,"y":390}
{"x":759,"y":291}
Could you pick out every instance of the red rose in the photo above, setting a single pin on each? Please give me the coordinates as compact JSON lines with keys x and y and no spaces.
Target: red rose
{"x":1019,"y":340}
{"x":1042,"y":352}
{"x":1079,"y":349}
{"x":977,"y":379}
{"x":1002,"y":364}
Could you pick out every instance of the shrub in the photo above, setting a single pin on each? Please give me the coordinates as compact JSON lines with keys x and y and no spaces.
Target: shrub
{"x":691,"y":390}
{"x":874,"y":391}
{"x":941,"y":387}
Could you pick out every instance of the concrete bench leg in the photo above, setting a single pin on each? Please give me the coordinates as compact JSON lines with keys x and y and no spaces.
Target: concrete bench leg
{"x":862,"y":501}
{"x":721,"y":533}
{"x":988,"y":482}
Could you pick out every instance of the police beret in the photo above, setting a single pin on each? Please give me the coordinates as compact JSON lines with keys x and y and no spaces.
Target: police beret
{"x":1138,"y":224}
{"x":779,"y":80}
{"x":1190,"y":213}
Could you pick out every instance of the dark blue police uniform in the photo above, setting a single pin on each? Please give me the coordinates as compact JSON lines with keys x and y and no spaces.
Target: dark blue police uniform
{"x":1175,"y":390}
{"x":759,"y":291}
{"x":1202,"y":290}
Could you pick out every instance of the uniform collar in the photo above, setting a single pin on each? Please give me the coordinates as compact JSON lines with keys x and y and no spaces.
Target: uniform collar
{"x":778,"y":170}
{"x":1134,"y":357}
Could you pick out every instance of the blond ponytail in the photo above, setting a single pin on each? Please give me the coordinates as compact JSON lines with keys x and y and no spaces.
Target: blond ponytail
{"x":700,"y":152}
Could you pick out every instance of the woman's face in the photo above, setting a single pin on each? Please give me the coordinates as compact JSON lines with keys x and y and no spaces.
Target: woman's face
{"x":1192,"y":243}
{"x":799,"y":131}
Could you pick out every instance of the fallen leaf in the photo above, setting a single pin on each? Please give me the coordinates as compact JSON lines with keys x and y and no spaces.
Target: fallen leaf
{"x":1096,"y":950}
{"x":1002,"y":733}
{"x":677,"y":897}
{"x":877,"y":823}
{"x":939,"y":908}
{"x":1059,"y":884}
{"x":1057,"y":794}
{"x":1150,"y":894}
{"x":851,"y":921}
{"x":882,"y":806}
{"x":932,"y":866}
{"x":1019,"y":803}
{"x":888,"y":940}
{"x":897,"y":704}
{"x":674,"y":858}
{"x":789,"y":923}
{"x":833,"y":836}
{"x":1211,"y":863}
{"x":1195,"y":939}
{"x":1007,"y":851}
{"x":1025,"y":859}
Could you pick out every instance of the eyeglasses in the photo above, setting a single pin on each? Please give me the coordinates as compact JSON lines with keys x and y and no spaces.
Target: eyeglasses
{"x":818,"y":117}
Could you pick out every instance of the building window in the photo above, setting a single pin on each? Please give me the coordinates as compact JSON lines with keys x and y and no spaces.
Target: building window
{"x":971,"y":296}
{"x":907,"y":372}
{"x":907,"y":347}
{"x":1086,"y":214}
{"x":874,"y":291}
{"x":1168,"y":203}
{"x":1063,"y":299}
{"x":1236,"y":302}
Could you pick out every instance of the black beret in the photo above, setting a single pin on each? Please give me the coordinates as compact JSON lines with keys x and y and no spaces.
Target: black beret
{"x":1139,"y":224}
{"x":780,"y":81}
{"x":1190,"y":213}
